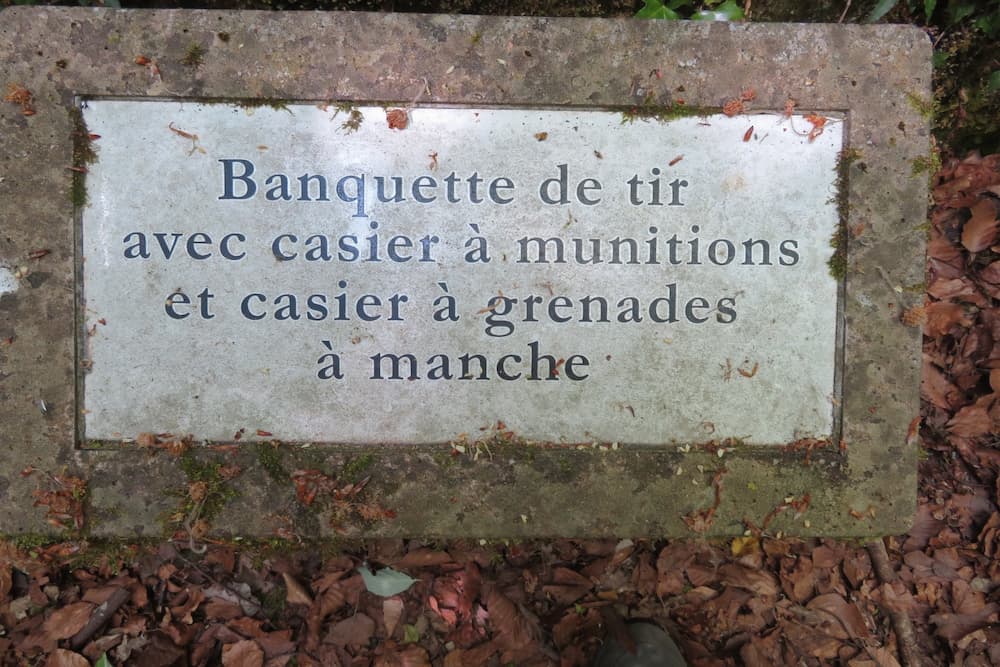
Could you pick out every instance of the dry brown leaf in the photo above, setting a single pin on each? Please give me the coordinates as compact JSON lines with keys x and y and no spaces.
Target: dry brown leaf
{"x":955,"y":626}
{"x":936,"y":388}
{"x":356,"y":630}
{"x":100,"y":594}
{"x":644,"y":575}
{"x":971,"y":421}
{"x":566,"y":576}
{"x":808,"y":641}
{"x":953,"y":288}
{"x":479,"y":655}
{"x":65,"y":622}
{"x":760,"y":582}
{"x":276,"y":644}
{"x":568,"y":586}
{"x":826,"y":557}
{"x":515,"y":629}
{"x":5,"y":581}
{"x":564,"y":595}
{"x":244,"y":653}
{"x":397,"y":119}
{"x":964,"y":599}
{"x":925,"y":526}
{"x":424,"y":558}
{"x":802,"y":579}
{"x":857,"y":566}
{"x":703,"y":575}
{"x":762,"y":651}
{"x":411,"y":656}
{"x":332,"y":592}
{"x":732,"y":107}
{"x":207,"y":644}
{"x":670,"y":566}
{"x":980,"y":231}
{"x":392,"y":610}
{"x":18,"y":94}
{"x":841,"y":611}
{"x":943,"y":315}
{"x":880,"y":657}
{"x":991,"y":273}
{"x":221,"y":610}
{"x":572,"y":624}
{"x":63,"y":658}
{"x":295,"y":593}
{"x":187,"y":604}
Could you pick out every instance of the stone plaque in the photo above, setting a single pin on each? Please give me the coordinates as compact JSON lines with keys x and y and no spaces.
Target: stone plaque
{"x":251,"y":249}
{"x":579,"y":275}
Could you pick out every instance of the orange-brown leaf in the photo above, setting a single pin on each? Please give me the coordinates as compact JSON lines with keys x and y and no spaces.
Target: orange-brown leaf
{"x":295,"y":593}
{"x":355,"y":630}
{"x":63,"y":658}
{"x":66,"y":622}
{"x":733,"y":107}
{"x":760,"y":582}
{"x":842,"y":613}
{"x":980,"y":231}
{"x":424,"y":558}
{"x":411,"y":656}
{"x":246,"y":653}
{"x":18,"y":94}
{"x":818,"y":123}
{"x":392,"y":611}
{"x":943,"y":315}
{"x":513,"y":627}
{"x":971,"y":421}
{"x":397,"y":119}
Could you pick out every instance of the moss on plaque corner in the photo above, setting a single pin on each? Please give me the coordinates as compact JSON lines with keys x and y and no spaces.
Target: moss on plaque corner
{"x":78,"y":191}
{"x":354,"y":117}
{"x":275,"y":103}
{"x":31,"y":542}
{"x":270,"y":457}
{"x":83,"y":155}
{"x":651,"y":109}
{"x":926,"y":108}
{"x":194,"y":56}
{"x":354,"y":469}
{"x":926,"y":165}
{"x":837,"y":263}
{"x":213,"y":489}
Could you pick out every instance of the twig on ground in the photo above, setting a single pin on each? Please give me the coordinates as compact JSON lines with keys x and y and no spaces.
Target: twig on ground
{"x":102,"y":614}
{"x":843,"y":14}
{"x":906,"y":639}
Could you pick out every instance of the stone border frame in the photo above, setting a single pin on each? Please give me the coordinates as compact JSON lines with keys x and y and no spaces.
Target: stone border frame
{"x":879,"y":76}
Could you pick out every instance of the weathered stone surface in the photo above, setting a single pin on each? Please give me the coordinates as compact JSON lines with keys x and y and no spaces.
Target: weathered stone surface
{"x":860,"y":483}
